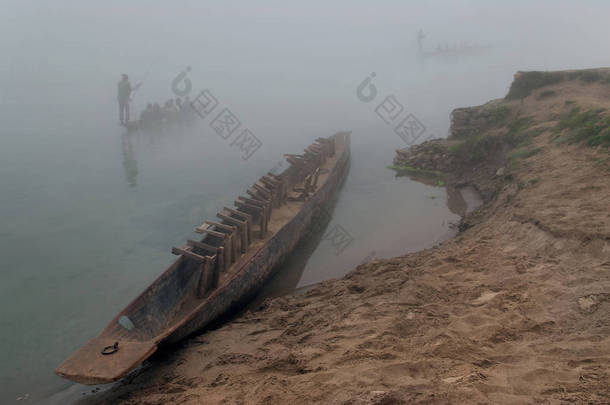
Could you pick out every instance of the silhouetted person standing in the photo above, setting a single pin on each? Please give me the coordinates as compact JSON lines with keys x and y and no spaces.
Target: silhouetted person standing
{"x":124,"y":92}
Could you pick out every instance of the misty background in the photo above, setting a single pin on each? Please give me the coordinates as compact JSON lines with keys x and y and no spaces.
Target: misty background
{"x":88,"y":214}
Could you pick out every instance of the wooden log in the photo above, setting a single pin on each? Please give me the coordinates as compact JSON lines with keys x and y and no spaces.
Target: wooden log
{"x":260,"y":211}
{"x":256,"y":195}
{"x":208,"y":278}
{"x":221,"y":226}
{"x":317,"y":147}
{"x":329,"y":142}
{"x":272,"y":180}
{"x":234,"y":242}
{"x":284,"y":189}
{"x":296,"y":197}
{"x":275,"y":189}
{"x":298,"y":163}
{"x":181,"y":251}
{"x":263,"y":211}
{"x":207,"y":229}
{"x":202,"y":246}
{"x":266,"y":205}
{"x":229,"y":240}
{"x":265,"y":192}
{"x":246,"y":217}
{"x":202,"y":284}
{"x":275,"y":176}
{"x":282,"y":185}
{"x":220,"y":259}
{"x":242,"y":233}
{"x":253,"y":201}
{"x":292,"y":155}
{"x":306,"y":185}
{"x":261,"y":201}
{"x":316,"y":156}
{"x":316,"y":175}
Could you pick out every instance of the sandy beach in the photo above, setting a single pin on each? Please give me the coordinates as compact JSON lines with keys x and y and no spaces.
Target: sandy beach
{"x":514,"y":309}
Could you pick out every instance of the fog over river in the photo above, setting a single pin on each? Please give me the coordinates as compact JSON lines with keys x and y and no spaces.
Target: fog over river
{"x":89,"y":213}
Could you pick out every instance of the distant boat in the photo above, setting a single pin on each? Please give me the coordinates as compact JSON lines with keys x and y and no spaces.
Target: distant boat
{"x":456,"y":52}
{"x":214,"y":274}
{"x":184,"y":117}
{"x":157,"y":125}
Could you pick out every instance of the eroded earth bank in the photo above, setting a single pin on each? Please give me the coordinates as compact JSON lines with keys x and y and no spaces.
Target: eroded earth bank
{"x":515,"y":309}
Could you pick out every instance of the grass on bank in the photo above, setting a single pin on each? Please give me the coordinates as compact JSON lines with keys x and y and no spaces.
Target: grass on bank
{"x":546,"y":94}
{"x":589,"y":126}
{"x":524,"y":153}
{"x":527,"y":82}
{"x":477,"y":147}
{"x":415,"y":170}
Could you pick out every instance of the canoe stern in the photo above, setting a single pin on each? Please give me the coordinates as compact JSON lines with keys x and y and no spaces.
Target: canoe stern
{"x":89,"y":366}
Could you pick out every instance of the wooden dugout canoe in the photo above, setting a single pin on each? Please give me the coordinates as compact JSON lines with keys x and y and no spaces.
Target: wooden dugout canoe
{"x":212,"y":275}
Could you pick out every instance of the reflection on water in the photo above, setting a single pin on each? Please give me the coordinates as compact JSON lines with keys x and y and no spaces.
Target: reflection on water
{"x":460,"y":200}
{"x":130,"y":164}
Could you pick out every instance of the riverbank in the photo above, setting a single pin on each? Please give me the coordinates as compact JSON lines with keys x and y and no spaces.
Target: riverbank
{"x":512,"y":310}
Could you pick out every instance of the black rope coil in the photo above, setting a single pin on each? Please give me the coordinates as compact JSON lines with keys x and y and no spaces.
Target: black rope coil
{"x":111,"y":349}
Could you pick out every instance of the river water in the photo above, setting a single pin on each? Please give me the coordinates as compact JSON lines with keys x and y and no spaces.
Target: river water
{"x":89,"y":214}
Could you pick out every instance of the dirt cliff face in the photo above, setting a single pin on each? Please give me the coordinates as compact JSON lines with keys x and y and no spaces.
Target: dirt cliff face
{"x":515,"y":309}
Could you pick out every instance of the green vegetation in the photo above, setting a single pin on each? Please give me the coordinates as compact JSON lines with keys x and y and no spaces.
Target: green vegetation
{"x":589,"y":126}
{"x":476,"y":148}
{"x":441,"y":183}
{"x":520,"y":132}
{"x":591,"y":188}
{"x":467,"y":133}
{"x":526,"y":82}
{"x":520,"y":124}
{"x":417,"y":170}
{"x":589,"y":76}
{"x":602,"y":164}
{"x":534,"y":181}
{"x":436,"y":148}
{"x":454,"y":149}
{"x":524,"y":153}
{"x":546,"y":94}
{"x":499,"y":114}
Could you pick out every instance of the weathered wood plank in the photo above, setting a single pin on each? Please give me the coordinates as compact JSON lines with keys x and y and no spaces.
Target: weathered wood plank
{"x":188,"y":253}
{"x":221,"y":226}
{"x":242,"y":233}
{"x":206,"y":229}
{"x":260,"y":210}
{"x":202,"y":245}
{"x":247,"y":217}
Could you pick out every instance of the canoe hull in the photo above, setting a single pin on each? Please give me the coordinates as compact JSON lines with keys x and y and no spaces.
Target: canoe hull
{"x":89,"y":366}
{"x":265,"y":261}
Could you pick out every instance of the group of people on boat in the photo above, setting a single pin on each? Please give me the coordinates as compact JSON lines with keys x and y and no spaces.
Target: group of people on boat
{"x":173,"y":110}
